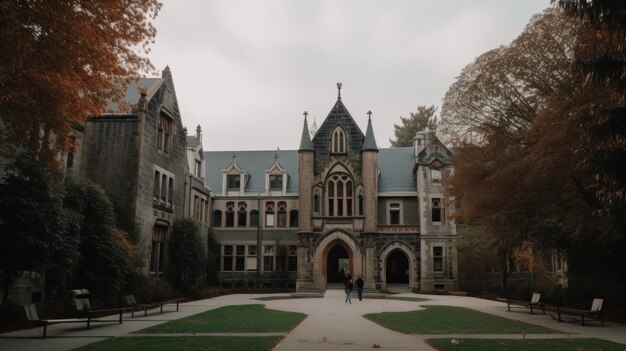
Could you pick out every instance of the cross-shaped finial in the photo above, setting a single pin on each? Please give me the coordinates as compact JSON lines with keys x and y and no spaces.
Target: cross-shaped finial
{"x":369,"y":114}
{"x":339,"y":90}
{"x":305,"y":114}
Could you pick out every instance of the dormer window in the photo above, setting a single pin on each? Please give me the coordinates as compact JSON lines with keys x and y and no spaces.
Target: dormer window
{"x":276,"y":182}
{"x":233,"y":181}
{"x":435,"y":175}
{"x":339,"y":141}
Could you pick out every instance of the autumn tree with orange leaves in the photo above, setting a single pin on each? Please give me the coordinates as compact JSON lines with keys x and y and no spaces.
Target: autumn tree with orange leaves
{"x":61,"y":61}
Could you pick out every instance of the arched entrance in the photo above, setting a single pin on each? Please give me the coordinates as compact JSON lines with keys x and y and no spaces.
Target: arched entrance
{"x":397,"y":268}
{"x":337,"y":262}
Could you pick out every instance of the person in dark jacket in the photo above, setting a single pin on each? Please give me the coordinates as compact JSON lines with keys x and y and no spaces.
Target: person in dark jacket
{"x":349,"y":287}
{"x":359,"y":287}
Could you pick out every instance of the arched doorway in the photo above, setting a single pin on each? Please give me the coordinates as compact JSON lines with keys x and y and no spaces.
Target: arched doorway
{"x":397,"y":267}
{"x":337,"y":261}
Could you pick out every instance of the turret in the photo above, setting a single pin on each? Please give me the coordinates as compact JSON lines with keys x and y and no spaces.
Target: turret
{"x":369,"y":159}
{"x":306,"y":155}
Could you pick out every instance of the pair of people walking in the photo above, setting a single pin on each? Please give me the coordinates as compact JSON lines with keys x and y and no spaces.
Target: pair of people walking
{"x":349,"y":286}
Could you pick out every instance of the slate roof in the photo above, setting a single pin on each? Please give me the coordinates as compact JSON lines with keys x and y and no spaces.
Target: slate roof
{"x":370,"y":142}
{"x":132,"y":94}
{"x":395,"y":164}
{"x":396,"y":169}
{"x":255,"y":163}
{"x":192,"y":141}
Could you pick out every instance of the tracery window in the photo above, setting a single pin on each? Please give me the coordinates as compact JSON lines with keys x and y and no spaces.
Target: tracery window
{"x":338,"y":142}
{"x":339,"y":195}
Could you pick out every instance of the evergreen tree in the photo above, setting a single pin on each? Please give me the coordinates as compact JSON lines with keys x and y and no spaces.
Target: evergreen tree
{"x":418,"y":121}
{"x":187,"y":261}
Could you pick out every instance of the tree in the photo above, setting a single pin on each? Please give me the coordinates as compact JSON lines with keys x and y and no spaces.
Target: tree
{"x":213,"y":259}
{"x":60,"y":62}
{"x":602,"y":61}
{"x":507,"y":85}
{"x":33,"y":221}
{"x":107,"y":256}
{"x":418,"y":121}
{"x":187,"y":260}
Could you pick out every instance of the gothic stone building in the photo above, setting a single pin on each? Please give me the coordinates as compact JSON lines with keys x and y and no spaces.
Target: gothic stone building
{"x":140,"y":155}
{"x":297,"y":218}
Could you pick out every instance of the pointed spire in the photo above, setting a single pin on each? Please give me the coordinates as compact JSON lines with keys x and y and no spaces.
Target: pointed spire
{"x":314,"y":128}
{"x":305,"y":141}
{"x":370,"y":142}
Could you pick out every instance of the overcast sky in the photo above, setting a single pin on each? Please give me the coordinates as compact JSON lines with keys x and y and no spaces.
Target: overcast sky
{"x":247,"y":70}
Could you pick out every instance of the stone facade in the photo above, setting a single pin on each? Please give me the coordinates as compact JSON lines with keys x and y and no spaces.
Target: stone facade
{"x":379,"y":213}
{"x":138,"y":154}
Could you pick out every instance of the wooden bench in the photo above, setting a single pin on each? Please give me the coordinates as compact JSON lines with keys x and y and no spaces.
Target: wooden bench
{"x":33,"y":317}
{"x":594,"y":313}
{"x":535,"y":302}
{"x":134,"y":306}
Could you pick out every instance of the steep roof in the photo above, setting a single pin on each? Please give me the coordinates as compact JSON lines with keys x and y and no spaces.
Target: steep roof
{"x":255,"y":163}
{"x":370,"y":142}
{"x":305,"y":140}
{"x":151,"y":85}
{"x":396,"y":169}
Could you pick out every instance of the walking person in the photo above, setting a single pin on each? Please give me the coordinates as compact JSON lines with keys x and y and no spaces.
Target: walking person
{"x":359,"y":287}
{"x":348,"y":288}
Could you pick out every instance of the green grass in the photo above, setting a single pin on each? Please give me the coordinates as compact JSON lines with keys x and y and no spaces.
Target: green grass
{"x":192,"y":343}
{"x":238,"y":318}
{"x":528,"y":345}
{"x":447,"y":319}
{"x":414,"y":299}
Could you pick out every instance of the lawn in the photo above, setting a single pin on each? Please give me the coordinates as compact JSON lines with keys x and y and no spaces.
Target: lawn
{"x":191,"y":343}
{"x":238,"y":318}
{"x":447,"y":320}
{"x":528,"y":345}
{"x":406,"y":298}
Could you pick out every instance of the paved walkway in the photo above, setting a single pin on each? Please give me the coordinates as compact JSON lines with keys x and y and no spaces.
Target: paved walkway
{"x":331,"y":324}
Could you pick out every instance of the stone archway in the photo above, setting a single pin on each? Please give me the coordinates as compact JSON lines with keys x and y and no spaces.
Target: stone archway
{"x":337,"y":262}
{"x":395,"y":253}
{"x":397,"y":268}
{"x":331,"y":247}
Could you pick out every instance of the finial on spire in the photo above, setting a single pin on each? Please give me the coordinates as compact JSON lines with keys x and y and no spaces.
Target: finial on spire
{"x":305,"y":115}
{"x":276,"y":156}
{"x":339,"y":90}
{"x":369,"y":114}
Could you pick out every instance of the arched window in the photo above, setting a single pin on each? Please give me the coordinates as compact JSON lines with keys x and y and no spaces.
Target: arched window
{"x":338,"y":142}
{"x":217,"y":218}
{"x":293,"y":218}
{"x":269,"y":214}
{"x":230,"y":217}
{"x":339,"y":195}
{"x":242,"y":217}
{"x":282,"y":215}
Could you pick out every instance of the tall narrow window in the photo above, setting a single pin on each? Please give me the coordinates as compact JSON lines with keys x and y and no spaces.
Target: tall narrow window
{"x":170,"y":190}
{"x":198,"y":168}
{"x":240,"y":259}
{"x":436,"y":210}
{"x":316,"y":203}
{"x":230,"y":217}
{"x":269,"y":214}
{"x":254,"y":218}
{"x":339,"y":195}
{"x":157,"y":254}
{"x":293,"y":258}
{"x":293,"y":218}
{"x":437,"y":259}
{"x":282,"y":216}
{"x":338,"y":143}
{"x":394,"y":213}
{"x":164,"y":133}
{"x":157,"y":185}
{"x":268,"y":258}
{"x":227,"y":258}
{"x":217,"y":218}
{"x":163,"y":187}
{"x":242,"y":217}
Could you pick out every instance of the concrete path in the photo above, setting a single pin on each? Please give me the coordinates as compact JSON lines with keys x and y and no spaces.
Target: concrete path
{"x":331,"y":324}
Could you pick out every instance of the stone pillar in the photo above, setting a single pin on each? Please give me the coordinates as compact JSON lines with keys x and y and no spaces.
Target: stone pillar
{"x":370,"y":189}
